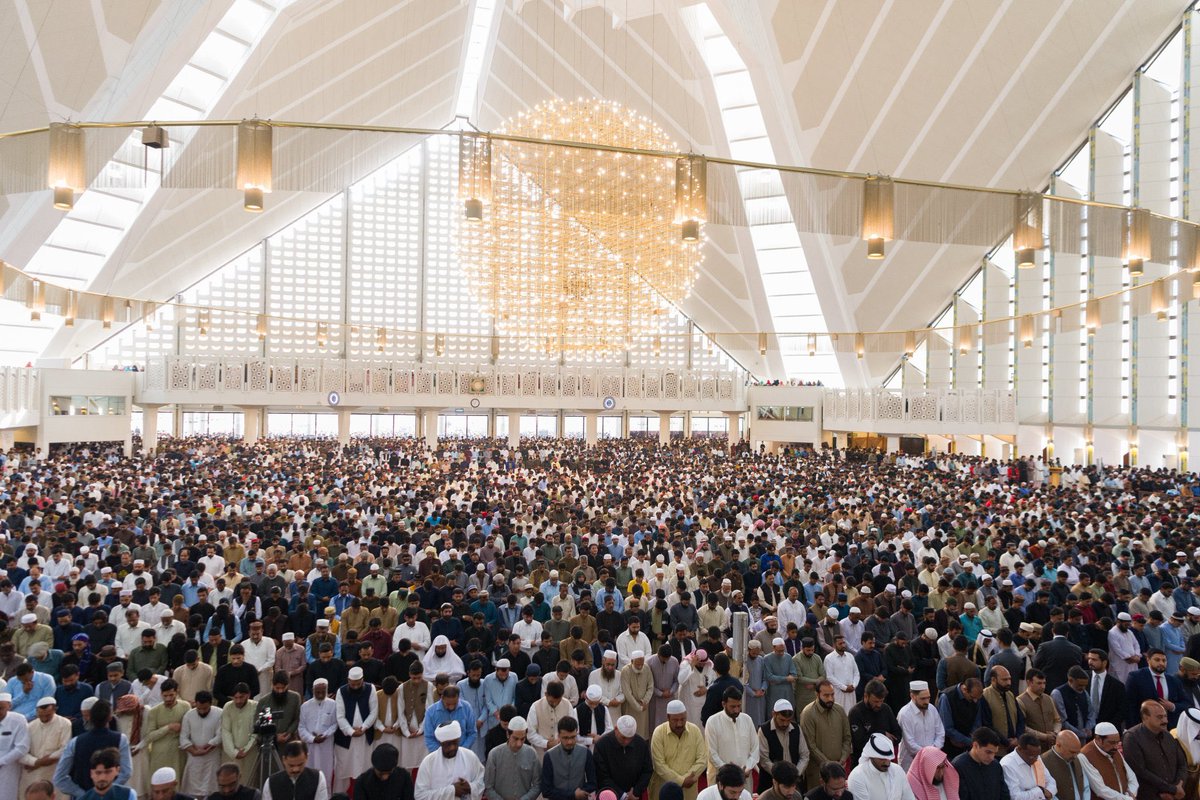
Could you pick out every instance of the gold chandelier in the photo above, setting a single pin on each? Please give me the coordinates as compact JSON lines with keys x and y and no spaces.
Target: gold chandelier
{"x":571,"y":249}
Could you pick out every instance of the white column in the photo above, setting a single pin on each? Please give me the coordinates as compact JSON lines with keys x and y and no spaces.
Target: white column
{"x":343,"y":415}
{"x":491,"y":425}
{"x":664,"y":427}
{"x":687,"y":424}
{"x":735,"y":434}
{"x":514,"y":429}
{"x":149,"y":428}
{"x":591,"y":428}
{"x":251,"y":424}
{"x":431,"y":428}
{"x":177,"y":422}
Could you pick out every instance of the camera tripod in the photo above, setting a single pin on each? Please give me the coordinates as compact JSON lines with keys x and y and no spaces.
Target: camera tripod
{"x":268,"y":760}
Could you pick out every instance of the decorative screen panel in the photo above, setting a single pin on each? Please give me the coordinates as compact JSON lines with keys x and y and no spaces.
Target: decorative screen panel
{"x":385,"y":260}
{"x":304,"y":277}
{"x":449,"y":306}
{"x":237,"y":285}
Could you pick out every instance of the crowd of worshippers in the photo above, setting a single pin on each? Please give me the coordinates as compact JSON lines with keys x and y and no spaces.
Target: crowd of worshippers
{"x":297,"y":619}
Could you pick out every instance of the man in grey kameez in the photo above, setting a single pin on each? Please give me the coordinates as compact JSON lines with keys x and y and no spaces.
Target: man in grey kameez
{"x":513,"y":770}
{"x":665,"y":668}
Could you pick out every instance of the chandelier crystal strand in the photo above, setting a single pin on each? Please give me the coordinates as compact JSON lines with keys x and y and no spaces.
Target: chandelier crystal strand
{"x":580,"y":250}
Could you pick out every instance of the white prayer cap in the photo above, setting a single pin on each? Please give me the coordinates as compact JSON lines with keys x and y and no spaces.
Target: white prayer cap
{"x":865,"y":590}
{"x":46,"y":701}
{"x":26,"y":619}
{"x":675,"y":707}
{"x":783,"y":705}
{"x":777,"y":642}
{"x":931,"y":633}
{"x":855,"y":610}
{"x":321,"y":681}
{"x":519,"y":723}
{"x":1195,"y":612}
{"x":755,"y":644}
{"x":970,"y":606}
{"x":880,"y":746}
{"x":504,"y":663}
{"x":289,"y":637}
{"x":86,"y":705}
{"x":441,"y":641}
{"x":553,"y":573}
{"x":891,"y":587}
{"x":132,"y":608}
{"x":906,"y":594}
{"x":1124,"y":616}
{"x":162,"y":776}
{"x":636,"y":654}
{"x":832,"y":613}
{"x":1108,"y":729}
{"x":627,"y":725}
{"x":594,"y":693}
{"x":355,"y":674}
{"x":322,"y":623}
{"x":448,"y":732}
{"x":918,"y":686}
{"x":610,"y":654}
{"x":138,"y":561}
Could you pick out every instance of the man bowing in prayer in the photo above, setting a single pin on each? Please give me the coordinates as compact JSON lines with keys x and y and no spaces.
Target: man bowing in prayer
{"x":442,"y":658}
{"x":451,"y":771}
{"x":1109,"y":777}
{"x":357,"y":709}
{"x":932,"y":776}
{"x":200,"y":737}
{"x":877,"y":777}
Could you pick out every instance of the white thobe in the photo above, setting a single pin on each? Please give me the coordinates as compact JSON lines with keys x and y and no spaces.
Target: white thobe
{"x":350,"y":762}
{"x":627,"y":643}
{"x":262,"y":657}
{"x":199,"y":777}
{"x":791,"y":611}
{"x":730,"y":741}
{"x":14,"y":745}
{"x":868,"y":783}
{"x":319,"y":718}
{"x":842,"y":670}
{"x":437,"y":774}
{"x":1121,"y":646}
{"x":152,"y":613}
{"x":920,"y":729}
{"x":610,"y":688}
{"x":417,"y":635}
{"x":853,"y":632}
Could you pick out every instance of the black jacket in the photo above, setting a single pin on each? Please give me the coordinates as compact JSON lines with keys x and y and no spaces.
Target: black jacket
{"x":1055,"y":658}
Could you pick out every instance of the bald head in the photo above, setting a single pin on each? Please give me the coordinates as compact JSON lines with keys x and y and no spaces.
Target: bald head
{"x":1067,"y":745}
{"x":1001,"y":678}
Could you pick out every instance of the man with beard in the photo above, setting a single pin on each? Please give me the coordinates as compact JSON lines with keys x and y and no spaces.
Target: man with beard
{"x":810,"y":671}
{"x":898,"y":667}
{"x":959,"y":709}
{"x":826,"y":729}
{"x":1124,"y":651}
{"x":932,"y":776}
{"x":873,"y":715}
{"x":1041,"y":715}
{"x":1153,"y":683}
{"x":1189,"y":676}
{"x":318,"y":722}
{"x":731,"y":736}
{"x":637,"y":685}
{"x":284,"y":705}
{"x":384,"y":780}
{"x":200,"y":738}
{"x":238,"y":740}
{"x":1000,"y":710}
{"x":1109,"y":777}
{"x":842,"y":670}
{"x":921,"y":725}
{"x":877,"y":777}
{"x":780,"y":742}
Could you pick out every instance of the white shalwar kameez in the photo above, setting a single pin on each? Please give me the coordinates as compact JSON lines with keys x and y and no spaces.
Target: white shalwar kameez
{"x":200,"y":772}
{"x":842,"y":670}
{"x":868,"y":783}
{"x":920,"y":729}
{"x":692,"y":680}
{"x":350,"y":762}
{"x":437,"y":774}
{"x":14,"y":745}
{"x":319,"y":718}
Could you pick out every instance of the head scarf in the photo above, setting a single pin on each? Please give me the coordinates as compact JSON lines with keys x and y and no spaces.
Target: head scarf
{"x":920,"y":774}
{"x":1188,"y":729}
{"x":450,"y":663}
{"x":131,"y":704}
{"x":85,"y":658}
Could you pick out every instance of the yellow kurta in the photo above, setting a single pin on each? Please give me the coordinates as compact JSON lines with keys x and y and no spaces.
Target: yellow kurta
{"x":164,"y":742}
{"x":45,"y":739}
{"x":237,"y":733}
{"x":193,"y":680}
{"x":676,"y":757}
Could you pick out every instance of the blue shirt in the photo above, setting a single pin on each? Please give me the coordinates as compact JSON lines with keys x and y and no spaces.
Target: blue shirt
{"x":69,"y":699}
{"x":437,"y":715}
{"x":62,"y":771}
{"x":26,"y":703}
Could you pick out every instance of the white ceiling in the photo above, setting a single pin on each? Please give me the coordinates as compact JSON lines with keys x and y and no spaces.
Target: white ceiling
{"x":997,"y":94}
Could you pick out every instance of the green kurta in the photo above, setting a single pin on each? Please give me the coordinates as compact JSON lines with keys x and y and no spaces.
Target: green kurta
{"x":828,"y":737}
{"x":164,"y":742}
{"x":811,"y":671}
{"x":237,"y":733}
